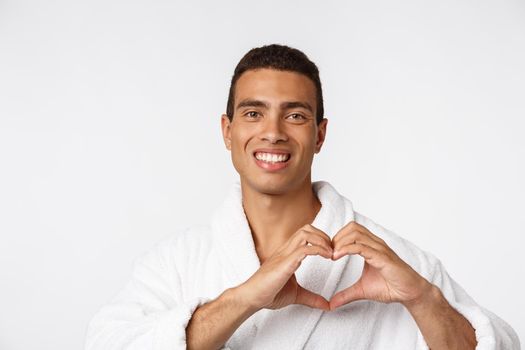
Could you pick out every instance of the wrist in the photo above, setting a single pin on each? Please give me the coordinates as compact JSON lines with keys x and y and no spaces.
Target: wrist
{"x":240,"y":297}
{"x":429,"y":297}
{"x":441,"y":325}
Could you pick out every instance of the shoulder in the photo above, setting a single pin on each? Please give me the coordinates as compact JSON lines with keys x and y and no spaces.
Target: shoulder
{"x":420,"y":260}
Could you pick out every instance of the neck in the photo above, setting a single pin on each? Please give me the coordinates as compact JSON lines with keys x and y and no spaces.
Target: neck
{"x":273,"y":219}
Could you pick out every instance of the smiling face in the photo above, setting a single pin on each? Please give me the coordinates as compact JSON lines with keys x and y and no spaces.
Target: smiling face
{"x":273,"y":134}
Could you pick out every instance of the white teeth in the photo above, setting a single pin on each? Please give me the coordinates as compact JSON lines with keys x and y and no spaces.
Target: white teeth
{"x":272,"y":158}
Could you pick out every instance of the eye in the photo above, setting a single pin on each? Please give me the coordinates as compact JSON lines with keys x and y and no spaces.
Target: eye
{"x":297,"y":116}
{"x":251,"y":114}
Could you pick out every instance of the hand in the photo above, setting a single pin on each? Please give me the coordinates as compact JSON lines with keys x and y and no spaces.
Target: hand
{"x":274,"y":285}
{"x":385,"y":278}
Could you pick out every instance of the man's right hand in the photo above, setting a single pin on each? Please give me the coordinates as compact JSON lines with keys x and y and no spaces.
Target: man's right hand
{"x":274,"y":285}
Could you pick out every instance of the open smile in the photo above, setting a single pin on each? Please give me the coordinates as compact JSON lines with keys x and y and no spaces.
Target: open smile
{"x":271,"y":160}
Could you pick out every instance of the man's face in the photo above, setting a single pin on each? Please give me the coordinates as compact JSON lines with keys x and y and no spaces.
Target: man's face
{"x":273,"y":134}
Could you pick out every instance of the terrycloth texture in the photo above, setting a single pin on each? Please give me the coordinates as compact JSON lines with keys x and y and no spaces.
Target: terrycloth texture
{"x":188,"y":269}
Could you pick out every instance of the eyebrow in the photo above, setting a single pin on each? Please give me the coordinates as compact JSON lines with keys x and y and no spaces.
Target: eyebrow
{"x":284,"y":105}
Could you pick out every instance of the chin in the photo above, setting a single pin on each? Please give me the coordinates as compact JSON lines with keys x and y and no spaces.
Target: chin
{"x":271,"y":186}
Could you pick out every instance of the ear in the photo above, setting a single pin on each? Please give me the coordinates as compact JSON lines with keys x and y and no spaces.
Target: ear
{"x":226,"y":131}
{"x":321,"y":134}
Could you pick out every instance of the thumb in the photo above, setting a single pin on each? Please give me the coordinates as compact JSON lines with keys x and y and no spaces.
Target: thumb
{"x":352,"y":293}
{"x":308,"y":298}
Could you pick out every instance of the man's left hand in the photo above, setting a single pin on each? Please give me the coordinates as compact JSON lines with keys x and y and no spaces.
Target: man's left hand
{"x":385,"y":278}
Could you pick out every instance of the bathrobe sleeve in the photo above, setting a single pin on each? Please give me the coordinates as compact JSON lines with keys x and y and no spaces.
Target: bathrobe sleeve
{"x":148,"y":313}
{"x":492,"y":333}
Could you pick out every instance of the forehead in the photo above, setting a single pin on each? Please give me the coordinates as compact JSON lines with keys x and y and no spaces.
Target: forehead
{"x":271,"y":84}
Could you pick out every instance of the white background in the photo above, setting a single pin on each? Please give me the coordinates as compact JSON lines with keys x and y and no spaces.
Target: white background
{"x":110,"y":137}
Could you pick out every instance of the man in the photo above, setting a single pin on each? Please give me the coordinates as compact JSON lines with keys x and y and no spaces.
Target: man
{"x":287,"y":263}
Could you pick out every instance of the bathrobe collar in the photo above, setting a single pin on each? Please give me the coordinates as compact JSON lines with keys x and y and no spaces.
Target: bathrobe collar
{"x":233,"y":238}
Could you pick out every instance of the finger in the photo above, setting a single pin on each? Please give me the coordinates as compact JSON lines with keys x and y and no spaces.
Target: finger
{"x":303,"y":251}
{"x":303,"y":237}
{"x":343,"y":230}
{"x":351,"y":226}
{"x":352,"y":293}
{"x":309,"y":239}
{"x":308,"y":298}
{"x":320,"y":233}
{"x":358,"y":236}
{"x":373,"y":236}
{"x":317,"y":233}
{"x":372,"y":256}
{"x":294,"y":259}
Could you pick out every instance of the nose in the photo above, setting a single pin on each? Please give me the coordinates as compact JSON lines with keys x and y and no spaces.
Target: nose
{"x":273,"y":131}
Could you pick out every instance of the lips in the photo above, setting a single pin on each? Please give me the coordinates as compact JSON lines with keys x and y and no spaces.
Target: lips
{"x":271,"y":159}
{"x":272,"y":155}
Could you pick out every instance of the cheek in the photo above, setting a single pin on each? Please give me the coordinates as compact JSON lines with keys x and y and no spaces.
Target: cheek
{"x":243,"y":134}
{"x":238,"y":146}
{"x":238,"y":141}
{"x":238,"y":161}
{"x":308,"y":141}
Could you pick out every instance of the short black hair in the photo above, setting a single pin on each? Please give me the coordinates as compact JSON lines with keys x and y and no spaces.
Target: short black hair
{"x":280,"y":57}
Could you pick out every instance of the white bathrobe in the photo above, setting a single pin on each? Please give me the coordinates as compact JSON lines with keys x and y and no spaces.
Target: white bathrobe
{"x":192,"y":267}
